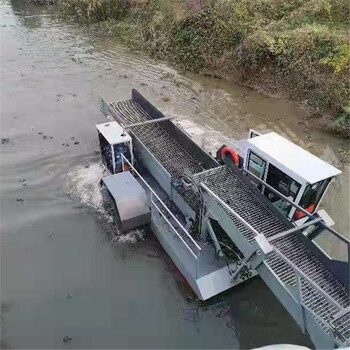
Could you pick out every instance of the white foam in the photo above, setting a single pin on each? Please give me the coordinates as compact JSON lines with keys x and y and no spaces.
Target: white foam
{"x":83,"y":185}
{"x":131,"y":236}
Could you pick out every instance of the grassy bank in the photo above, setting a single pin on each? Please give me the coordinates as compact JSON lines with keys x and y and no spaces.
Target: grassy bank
{"x":297,"y":49}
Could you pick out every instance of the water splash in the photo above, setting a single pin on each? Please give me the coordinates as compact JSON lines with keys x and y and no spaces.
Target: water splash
{"x":83,"y":185}
{"x":132,"y":236}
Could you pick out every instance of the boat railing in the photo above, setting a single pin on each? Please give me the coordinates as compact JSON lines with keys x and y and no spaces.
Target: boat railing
{"x":298,"y":207}
{"x":298,"y":286}
{"x":167,"y":215}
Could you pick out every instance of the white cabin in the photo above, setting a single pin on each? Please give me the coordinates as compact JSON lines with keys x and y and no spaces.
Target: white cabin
{"x":289,"y":169}
{"x":114,"y":141}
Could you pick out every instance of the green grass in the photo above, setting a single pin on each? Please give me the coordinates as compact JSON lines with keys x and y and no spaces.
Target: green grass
{"x":298,"y":48}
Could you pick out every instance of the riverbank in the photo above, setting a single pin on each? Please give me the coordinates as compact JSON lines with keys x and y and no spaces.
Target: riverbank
{"x":295,"y":50}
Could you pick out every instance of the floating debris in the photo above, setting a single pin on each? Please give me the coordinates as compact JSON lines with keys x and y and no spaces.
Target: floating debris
{"x":67,"y":339}
{"x":76,"y":142}
{"x":5,"y":140}
{"x":5,"y":308}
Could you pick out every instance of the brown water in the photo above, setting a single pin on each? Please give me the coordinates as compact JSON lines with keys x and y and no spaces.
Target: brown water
{"x":63,"y":272}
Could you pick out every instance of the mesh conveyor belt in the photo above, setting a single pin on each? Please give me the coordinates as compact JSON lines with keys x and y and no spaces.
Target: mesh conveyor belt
{"x":167,"y":150}
{"x":235,"y":192}
{"x":342,"y":327}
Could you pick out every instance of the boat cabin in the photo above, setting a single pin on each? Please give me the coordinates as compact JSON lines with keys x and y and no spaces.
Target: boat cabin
{"x":114,"y":141}
{"x":289,"y":169}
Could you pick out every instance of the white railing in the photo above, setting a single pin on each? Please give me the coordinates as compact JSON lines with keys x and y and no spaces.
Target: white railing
{"x":167,"y":210}
{"x":298,"y":273}
{"x":298,"y":207}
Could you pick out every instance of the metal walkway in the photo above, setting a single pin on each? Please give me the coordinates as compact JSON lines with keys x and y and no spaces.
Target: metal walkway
{"x":321,"y":293}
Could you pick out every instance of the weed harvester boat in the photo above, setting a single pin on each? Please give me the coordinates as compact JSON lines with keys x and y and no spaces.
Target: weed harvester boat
{"x":252,"y":209}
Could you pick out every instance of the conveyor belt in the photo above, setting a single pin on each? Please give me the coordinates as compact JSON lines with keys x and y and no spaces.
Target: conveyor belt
{"x":167,"y":150}
{"x":342,"y":327}
{"x":238,"y":195}
{"x":233,"y":190}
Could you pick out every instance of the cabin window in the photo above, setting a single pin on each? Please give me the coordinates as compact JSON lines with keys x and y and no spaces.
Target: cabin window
{"x":313,"y":194}
{"x":256,"y":165}
{"x":121,"y":149}
{"x":106,"y":152}
{"x":283,"y":184}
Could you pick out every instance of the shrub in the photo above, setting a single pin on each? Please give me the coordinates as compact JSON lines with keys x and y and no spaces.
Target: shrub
{"x":94,"y":10}
{"x":302,"y":44}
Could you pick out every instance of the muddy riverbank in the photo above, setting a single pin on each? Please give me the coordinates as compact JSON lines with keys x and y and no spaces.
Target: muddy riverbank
{"x":296,"y":50}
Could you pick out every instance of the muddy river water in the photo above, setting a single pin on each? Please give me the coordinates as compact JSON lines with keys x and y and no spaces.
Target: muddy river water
{"x":63,"y":271}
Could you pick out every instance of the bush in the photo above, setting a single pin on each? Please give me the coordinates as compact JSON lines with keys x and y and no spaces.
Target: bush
{"x":94,"y":10}
{"x":200,"y":39}
{"x":301,"y":44}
